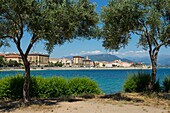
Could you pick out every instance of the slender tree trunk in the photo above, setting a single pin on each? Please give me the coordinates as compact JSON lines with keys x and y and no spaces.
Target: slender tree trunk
{"x":154,"y":68}
{"x":26,"y":86}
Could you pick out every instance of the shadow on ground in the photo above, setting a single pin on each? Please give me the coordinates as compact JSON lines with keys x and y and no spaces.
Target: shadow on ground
{"x":120,"y":97}
{"x":7,"y":106}
{"x":165,"y":96}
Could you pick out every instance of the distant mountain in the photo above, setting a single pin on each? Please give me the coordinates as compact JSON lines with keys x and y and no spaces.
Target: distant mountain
{"x":104,"y":57}
{"x":163,"y":60}
{"x":107,"y":57}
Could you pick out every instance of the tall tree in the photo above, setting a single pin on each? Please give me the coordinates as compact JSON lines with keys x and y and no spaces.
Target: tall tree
{"x":149,"y":19}
{"x":51,"y":21}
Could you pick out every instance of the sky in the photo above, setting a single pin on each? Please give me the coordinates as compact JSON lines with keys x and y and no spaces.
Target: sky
{"x":86,"y":47}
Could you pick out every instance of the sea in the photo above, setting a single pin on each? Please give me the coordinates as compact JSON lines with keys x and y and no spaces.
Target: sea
{"x":110,"y":81}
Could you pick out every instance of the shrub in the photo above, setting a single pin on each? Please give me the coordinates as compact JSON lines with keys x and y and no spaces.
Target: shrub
{"x":11,"y":87}
{"x":48,"y":87}
{"x":139,"y":83}
{"x":54,"y":87}
{"x":166,"y":84}
{"x":79,"y":86}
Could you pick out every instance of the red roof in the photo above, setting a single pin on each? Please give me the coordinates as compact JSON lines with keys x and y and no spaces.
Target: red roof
{"x":2,"y":55}
{"x":13,"y":56}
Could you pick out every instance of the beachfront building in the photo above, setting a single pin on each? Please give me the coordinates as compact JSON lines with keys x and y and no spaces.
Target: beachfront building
{"x":78,"y":60}
{"x":13,"y":57}
{"x":65,"y":61}
{"x":38,"y":59}
{"x":116,"y":63}
{"x":87,"y":62}
{"x":125,"y":64}
{"x":108,"y":65}
{"x":100,"y":64}
{"x":2,"y":55}
{"x":53,"y":60}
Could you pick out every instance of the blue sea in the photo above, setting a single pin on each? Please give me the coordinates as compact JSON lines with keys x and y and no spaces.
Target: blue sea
{"x":110,"y":81}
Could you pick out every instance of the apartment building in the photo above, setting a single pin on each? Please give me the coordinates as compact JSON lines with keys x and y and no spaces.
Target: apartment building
{"x":78,"y":60}
{"x":38,"y":59}
{"x":13,"y":56}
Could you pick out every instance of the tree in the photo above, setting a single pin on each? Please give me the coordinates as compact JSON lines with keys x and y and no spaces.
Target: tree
{"x":13,"y":63}
{"x":51,"y":21}
{"x":2,"y":62}
{"x":148,"y":19}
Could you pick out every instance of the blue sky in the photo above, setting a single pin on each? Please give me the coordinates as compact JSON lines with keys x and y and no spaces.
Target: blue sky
{"x":84,"y":47}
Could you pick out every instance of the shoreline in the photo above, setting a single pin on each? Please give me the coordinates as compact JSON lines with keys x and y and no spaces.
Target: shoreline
{"x":75,"y":68}
{"x":80,"y":68}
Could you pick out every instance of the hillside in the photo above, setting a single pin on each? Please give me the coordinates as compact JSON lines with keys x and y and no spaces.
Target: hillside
{"x":104,"y":57}
{"x":163,"y":60}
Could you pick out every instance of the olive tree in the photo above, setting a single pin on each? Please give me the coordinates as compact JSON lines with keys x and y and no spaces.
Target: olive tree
{"x":147,"y":19}
{"x":51,"y":21}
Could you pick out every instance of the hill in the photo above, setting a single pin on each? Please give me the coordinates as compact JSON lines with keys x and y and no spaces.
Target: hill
{"x":163,"y":60}
{"x":104,"y":57}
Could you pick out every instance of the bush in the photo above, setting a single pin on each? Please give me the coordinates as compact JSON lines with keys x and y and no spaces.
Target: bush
{"x":166,"y":84}
{"x":78,"y":86}
{"x":139,"y":83}
{"x":53,"y":87}
{"x":11,"y":87}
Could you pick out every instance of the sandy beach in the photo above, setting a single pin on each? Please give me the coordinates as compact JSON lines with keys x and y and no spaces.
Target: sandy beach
{"x":133,"y":103}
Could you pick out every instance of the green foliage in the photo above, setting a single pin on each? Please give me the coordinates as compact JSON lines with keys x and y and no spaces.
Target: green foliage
{"x":2,"y":62}
{"x":58,"y":64}
{"x":84,"y":85}
{"x":52,"y":87}
{"x":51,"y":21}
{"x":147,"y":19}
{"x":166,"y":84}
{"x":11,"y":87}
{"x":139,"y":83}
{"x":48,"y":20}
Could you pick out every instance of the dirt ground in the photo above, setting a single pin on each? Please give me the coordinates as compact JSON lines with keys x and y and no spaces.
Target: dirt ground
{"x":116,"y":103}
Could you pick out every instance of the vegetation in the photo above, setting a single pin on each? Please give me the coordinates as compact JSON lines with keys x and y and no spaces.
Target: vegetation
{"x":2,"y":62}
{"x":83,"y":86}
{"x":166,"y":84}
{"x":52,"y":21}
{"x":11,"y":87}
{"x":139,"y":82}
{"x":10,"y":63}
{"x":148,"y":19}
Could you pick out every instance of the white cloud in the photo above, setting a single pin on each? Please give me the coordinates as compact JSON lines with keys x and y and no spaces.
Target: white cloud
{"x":131,"y":53}
{"x":95,"y":52}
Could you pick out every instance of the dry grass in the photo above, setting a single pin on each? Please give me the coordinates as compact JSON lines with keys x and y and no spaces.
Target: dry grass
{"x":161,"y":101}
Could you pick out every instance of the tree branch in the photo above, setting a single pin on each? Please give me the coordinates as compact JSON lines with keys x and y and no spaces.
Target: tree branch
{"x":160,"y":45}
{"x":33,"y":40}
{"x":147,"y":37}
{"x":21,"y":27}
{"x":3,"y":37}
{"x":135,"y":32}
{"x":155,"y":41}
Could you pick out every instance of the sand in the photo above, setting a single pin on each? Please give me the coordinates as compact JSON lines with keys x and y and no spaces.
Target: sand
{"x":97,"y":105}
{"x":89,"y":107}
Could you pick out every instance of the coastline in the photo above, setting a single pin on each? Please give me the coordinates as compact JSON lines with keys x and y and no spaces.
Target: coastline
{"x":76,"y":68}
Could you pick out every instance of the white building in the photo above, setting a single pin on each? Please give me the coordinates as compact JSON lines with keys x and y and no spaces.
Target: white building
{"x":53,"y":60}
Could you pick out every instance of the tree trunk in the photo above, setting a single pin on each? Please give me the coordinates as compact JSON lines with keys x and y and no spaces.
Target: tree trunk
{"x":154,"y":68}
{"x":26,"y":86}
